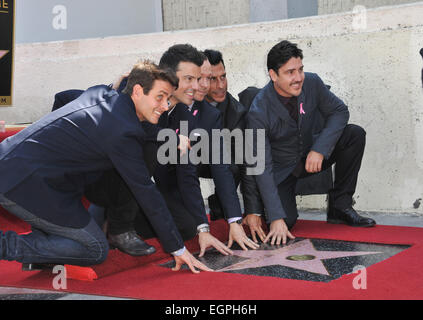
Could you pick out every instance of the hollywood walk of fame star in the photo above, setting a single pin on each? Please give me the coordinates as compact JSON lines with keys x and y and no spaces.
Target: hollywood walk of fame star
{"x":3,"y":53}
{"x":300,"y":255}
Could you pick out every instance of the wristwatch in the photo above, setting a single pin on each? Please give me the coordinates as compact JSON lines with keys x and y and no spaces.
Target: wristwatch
{"x":239,"y":221}
{"x":203,"y":228}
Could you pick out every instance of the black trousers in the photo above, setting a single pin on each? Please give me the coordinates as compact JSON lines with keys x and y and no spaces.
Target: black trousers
{"x":216,"y":209}
{"x":347,"y":157}
{"x":184,"y":221}
{"x":112,"y":193}
{"x":123,"y":211}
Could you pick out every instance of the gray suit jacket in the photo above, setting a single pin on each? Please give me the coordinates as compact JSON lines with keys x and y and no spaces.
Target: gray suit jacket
{"x":287,"y":142}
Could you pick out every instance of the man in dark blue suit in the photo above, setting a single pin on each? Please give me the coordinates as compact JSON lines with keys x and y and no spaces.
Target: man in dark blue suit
{"x":296,"y":145}
{"x":233,"y":118}
{"x":201,"y":115}
{"x":46,"y":167}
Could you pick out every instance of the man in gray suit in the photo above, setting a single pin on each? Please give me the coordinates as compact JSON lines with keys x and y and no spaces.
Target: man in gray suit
{"x":289,"y":109}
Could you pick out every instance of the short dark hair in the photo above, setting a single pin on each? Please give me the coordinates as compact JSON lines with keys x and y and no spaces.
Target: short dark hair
{"x":145,"y":73}
{"x":180,"y":53}
{"x":281,"y":53}
{"x":215,"y":57}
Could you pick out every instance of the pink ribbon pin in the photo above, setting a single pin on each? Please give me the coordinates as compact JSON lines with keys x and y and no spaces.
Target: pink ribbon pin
{"x":177,"y":130}
{"x":302,"y":109}
{"x":195,"y":112}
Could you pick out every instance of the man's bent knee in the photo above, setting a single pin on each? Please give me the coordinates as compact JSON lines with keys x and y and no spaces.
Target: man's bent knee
{"x":356,"y":131}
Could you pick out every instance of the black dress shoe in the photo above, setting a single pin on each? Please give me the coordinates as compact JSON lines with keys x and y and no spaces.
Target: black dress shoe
{"x":348,"y":216}
{"x":130,"y":243}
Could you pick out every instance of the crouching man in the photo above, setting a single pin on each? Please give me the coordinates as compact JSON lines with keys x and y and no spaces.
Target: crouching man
{"x":45,"y":168}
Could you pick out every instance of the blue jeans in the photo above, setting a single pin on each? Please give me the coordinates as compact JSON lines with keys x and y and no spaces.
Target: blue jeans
{"x":50,"y":243}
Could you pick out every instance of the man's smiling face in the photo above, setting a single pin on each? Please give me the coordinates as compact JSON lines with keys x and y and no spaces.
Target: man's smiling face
{"x":188,"y":74}
{"x":289,"y":79}
{"x":149,"y":107}
{"x":218,"y":84}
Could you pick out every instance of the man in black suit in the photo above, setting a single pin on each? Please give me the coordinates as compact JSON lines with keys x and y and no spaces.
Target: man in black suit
{"x":233,"y":116}
{"x":46,"y":167}
{"x":203,"y":116}
{"x":287,"y":110}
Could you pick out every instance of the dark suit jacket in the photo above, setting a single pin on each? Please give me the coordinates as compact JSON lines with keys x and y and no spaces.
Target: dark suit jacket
{"x":319,"y":183}
{"x":64,"y":97}
{"x":181,"y":176}
{"x":206,"y":117}
{"x":286,"y":142}
{"x":234,"y":117}
{"x":45,"y":167}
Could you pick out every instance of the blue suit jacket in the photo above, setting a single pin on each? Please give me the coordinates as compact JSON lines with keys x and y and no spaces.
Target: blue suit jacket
{"x":45,"y":167}
{"x":286,"y":142}
{"x":182,"y":176}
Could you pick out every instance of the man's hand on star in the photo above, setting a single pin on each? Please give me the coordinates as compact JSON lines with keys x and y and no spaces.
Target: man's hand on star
{"x":254,"y":222}
{"x":206,"y":240}
{"x":193,"y":264}
{"x":237,"y":234}
{"x":278,"y":232}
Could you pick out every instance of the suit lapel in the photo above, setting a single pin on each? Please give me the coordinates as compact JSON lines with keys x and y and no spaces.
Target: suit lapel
{"x":276,"y":104}
{"x":196,"y":114}
{"x":234,"y":113}
{"x":222,"y":107}
{"x":163,"y":120}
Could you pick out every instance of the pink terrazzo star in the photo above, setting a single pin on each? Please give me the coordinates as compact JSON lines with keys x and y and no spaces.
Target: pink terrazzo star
{"x":300,"y":255}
